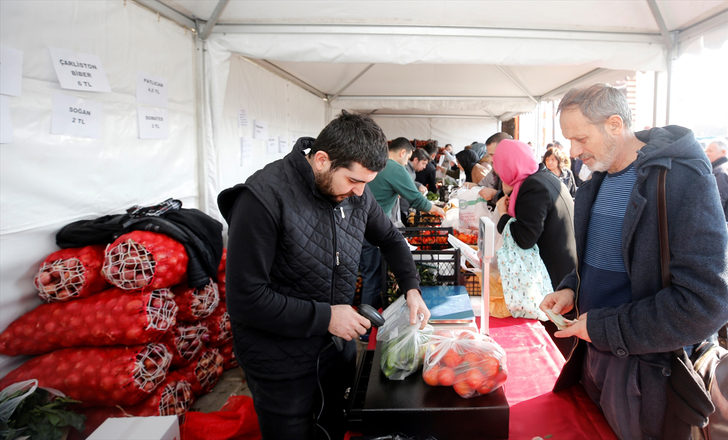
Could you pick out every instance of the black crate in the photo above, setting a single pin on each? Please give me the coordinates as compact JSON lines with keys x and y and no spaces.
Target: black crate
{"x":472,"y":282}
{"x":427,"y":238}
{"x":423,"y":219}
{"x":436,"y":268}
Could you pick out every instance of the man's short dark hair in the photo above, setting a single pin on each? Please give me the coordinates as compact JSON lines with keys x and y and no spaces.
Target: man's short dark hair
{"x":498,"y":137}
{"x":352,"y":138}
{"x":430,"y":147}
{"x":420,"y":155}
{"x":401,"y":143}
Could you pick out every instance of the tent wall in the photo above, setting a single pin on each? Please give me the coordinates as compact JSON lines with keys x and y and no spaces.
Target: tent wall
{"x":48,"y":180}
{"x":239,"y":87}
{"x":458,"y":132}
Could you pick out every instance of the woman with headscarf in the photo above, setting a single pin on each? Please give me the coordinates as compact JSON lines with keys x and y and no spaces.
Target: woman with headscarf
{"x":543,"y":210}
{"x":468,"y":162}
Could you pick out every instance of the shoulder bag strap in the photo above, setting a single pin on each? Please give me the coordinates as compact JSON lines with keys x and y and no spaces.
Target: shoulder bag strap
{"x":662,"y":228}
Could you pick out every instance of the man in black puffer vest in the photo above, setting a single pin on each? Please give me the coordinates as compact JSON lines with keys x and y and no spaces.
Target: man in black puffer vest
{"x":295,"y":235}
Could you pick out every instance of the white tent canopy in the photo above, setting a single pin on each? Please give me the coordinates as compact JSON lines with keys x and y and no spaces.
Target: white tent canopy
{"x":464,"y":58}
{"x":245,"y":79}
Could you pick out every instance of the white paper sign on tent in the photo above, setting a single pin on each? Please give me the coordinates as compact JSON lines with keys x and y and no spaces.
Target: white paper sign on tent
{"x":272,"y":145}
{"x":242,"y":118}
{"x":79,"y":71}
{"x":260,"y":130}
{"x":151,"y":90}
{"x":11,"y":71}
{"x":246,"y":150}
{"x":76,"y":117}
{"x":282,"y":145}
{"x":153,"y":123}
{"x":6,"y":124}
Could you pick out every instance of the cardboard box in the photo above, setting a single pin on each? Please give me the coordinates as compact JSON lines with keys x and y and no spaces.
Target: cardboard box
{"x":138,"y":428}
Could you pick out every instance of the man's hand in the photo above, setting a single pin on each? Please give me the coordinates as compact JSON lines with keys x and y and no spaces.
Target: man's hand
{"x":347,"y":322}
{"x":560,"y":302}
{"x":577,"y":329}
{"x":487,"y":193}
{"x":417,"y":308}
{"x":423,"y":189}
{"x":437,"y":210}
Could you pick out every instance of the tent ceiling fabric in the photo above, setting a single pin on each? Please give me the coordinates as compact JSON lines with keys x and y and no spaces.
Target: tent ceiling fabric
{"x":444,"y":57}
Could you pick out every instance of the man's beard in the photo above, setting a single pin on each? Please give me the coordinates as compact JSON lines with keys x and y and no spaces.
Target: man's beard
{"x":609,"y":157}
{"x":325,"y":186}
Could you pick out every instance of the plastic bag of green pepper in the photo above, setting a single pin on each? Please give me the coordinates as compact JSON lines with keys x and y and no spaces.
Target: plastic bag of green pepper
{"x":402,"y":345}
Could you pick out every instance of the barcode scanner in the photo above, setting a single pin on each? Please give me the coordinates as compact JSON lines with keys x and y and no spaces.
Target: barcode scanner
{"x":369,"y":313}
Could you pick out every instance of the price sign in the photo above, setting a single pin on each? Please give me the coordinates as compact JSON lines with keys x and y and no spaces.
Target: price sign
{"x":79,"y":71}
{"x":11,"y":71}
{"x":151,"y":90}
{"x":153,"y":123}
{"x":76,"y":117}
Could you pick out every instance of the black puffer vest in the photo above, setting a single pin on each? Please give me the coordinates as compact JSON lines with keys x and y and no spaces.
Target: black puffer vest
{"x":317,"y":258}
{"x":320,"y":244}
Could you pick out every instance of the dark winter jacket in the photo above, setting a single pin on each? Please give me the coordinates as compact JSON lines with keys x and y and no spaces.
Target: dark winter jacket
{"x":545,"y":216}
{"x":720,"y":171}
{"x":200,"y":234}
{"x":660,"y":320}
{"x":292,"y":253}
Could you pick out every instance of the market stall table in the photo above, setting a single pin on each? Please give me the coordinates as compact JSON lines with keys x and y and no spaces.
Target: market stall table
{"x":534,"y":363}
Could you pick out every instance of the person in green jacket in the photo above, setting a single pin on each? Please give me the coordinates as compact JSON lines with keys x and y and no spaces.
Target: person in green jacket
{"x":391,"y":183}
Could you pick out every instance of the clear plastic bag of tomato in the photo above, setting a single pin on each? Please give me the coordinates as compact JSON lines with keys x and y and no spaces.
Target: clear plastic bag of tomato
{"x":471,"y":363}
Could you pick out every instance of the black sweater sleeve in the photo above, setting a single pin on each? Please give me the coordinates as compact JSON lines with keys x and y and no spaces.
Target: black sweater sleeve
{"x":252,"y":244}
{"x":532,"y":205}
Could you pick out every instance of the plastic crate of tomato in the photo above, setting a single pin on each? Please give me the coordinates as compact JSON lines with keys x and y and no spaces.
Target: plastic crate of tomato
{"x":426,"y":238}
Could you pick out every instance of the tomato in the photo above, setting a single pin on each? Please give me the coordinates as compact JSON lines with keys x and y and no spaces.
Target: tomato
{"x":474,"y":377}
{"x":463,"y":389}
{"x":446,"y":376}
{"x":490,"y":366}
{"x":452,"y":358}
{"x":430,"y":375}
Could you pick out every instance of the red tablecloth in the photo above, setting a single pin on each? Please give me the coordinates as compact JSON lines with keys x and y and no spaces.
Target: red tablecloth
{"x":534,"y":364}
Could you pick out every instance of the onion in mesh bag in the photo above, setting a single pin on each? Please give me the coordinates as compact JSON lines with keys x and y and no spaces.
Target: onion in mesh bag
{"x":70,"y":273}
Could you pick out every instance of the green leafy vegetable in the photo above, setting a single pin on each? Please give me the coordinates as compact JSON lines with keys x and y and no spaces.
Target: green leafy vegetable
{"x":41,"y":415}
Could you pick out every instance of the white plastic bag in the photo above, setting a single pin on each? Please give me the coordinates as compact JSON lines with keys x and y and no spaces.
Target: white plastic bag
{"x":472,"y":207}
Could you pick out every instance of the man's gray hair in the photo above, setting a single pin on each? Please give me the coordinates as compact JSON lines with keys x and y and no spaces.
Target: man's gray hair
{"x":597,"y":103}
{"x":720,"y":143}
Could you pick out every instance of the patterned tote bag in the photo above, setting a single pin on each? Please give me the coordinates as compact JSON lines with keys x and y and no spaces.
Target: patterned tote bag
{"x":524,"y":276}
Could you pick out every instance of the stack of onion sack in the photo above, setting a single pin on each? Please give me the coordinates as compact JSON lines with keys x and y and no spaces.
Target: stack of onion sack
{"x":144,"y":260}
{"x":112,"y":317}
{"x":98,"y":375}
{"x":172,"y":397}
{"x":186,"y":342}
{"x":204,"y":372}
{"x":473,"y":364}
{"x":71,"y":273}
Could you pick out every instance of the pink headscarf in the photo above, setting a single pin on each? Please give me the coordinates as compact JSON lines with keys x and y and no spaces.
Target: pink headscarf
{"x":513,"y":161}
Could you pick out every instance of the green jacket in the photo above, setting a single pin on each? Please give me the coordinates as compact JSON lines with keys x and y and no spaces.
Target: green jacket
{"x":392,"y":181}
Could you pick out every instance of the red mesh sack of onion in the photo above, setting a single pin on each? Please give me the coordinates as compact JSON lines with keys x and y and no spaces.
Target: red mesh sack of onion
{"x":70,"y":273}
{"x":228,"y":356}
{"x":196,"y":303}
{"x":112,"y":317}
{"x":173,"y":397}
{"x":219,"y":327}
{"x":98,"y":375}
{"x":143,"y":259}
{"x":204,"y":372}
{"x":185,"y":342}
{"x":221,"y":275}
